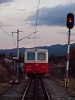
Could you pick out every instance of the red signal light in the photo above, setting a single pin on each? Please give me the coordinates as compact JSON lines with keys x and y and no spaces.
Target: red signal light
{"x":70,"y":20}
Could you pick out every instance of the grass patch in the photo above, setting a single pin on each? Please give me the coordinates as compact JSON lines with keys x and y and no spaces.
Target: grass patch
{"x":71,"y":86}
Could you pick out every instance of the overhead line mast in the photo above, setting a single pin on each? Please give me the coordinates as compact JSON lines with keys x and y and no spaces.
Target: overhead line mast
{"x":37,"y":15}
{"x":36,"y":21}
{"x":17,"y":48}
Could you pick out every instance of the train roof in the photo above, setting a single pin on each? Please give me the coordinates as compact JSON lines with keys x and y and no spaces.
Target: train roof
{"x":33,"y":50}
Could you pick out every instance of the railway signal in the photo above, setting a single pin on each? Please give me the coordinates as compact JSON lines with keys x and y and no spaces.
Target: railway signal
{"x":70,"y":21}
{"x":69,"y":24}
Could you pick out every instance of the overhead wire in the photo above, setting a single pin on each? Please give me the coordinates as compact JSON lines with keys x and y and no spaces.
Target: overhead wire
{"x":28,"y":36}
{"x":8,"y":34}
{"x":35,"y":25}
{"x":5,"y":31}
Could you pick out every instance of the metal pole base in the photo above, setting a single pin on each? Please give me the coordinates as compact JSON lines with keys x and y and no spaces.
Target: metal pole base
{"x":66,"y":83}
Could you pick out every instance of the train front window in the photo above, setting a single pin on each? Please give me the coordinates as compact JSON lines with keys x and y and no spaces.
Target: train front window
{"x":30,"y":55}
{"x":41,"y":56}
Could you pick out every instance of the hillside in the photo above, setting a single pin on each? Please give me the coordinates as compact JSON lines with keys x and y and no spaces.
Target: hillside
{"x":6,"y":73}
{"x":53,"y":50}
{"x":56,"y":49}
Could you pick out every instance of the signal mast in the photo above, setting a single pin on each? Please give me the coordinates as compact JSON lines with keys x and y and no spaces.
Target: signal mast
{"x":69,"y":24}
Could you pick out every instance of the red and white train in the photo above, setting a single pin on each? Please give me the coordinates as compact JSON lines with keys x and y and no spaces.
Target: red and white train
{"x":36,"y":62}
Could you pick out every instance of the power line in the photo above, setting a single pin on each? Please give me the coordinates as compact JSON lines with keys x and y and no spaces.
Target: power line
{"x":8,"y":34}
{"x":5,"y":31}
{"x":27,"y":36}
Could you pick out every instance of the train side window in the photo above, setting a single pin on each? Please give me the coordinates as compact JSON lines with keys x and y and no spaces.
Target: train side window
{"x":41,"y":56}
{"x":30,"y":55}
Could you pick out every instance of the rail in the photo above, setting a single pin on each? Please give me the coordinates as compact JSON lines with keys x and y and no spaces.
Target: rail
{"x":36,"y":90}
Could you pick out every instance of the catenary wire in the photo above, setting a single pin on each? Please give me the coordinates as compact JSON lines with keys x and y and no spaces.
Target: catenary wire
{"x":28,"y":36}
{"x":8,"y":34}
{"x":5,"y":31}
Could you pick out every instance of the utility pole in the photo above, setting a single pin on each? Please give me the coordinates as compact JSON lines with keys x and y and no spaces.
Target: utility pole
{"x":17,"y":49}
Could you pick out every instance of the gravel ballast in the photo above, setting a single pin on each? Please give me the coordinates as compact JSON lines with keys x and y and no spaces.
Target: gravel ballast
{"x":56,"y":91}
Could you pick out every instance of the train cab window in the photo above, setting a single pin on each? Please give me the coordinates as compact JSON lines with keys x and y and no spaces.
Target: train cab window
{"x":30,"y":55}
{"x":41,"y":56}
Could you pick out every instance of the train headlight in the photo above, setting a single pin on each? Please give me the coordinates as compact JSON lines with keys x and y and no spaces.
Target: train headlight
{"x":43,"y":67}
{"x":27,"y":67}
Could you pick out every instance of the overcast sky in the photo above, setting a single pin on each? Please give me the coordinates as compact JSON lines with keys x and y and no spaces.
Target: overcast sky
{"x":21,"y":14}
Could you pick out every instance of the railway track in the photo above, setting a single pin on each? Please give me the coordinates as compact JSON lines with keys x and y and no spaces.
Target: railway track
{"x":15,"y":92}
{"x":36,"y":90}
